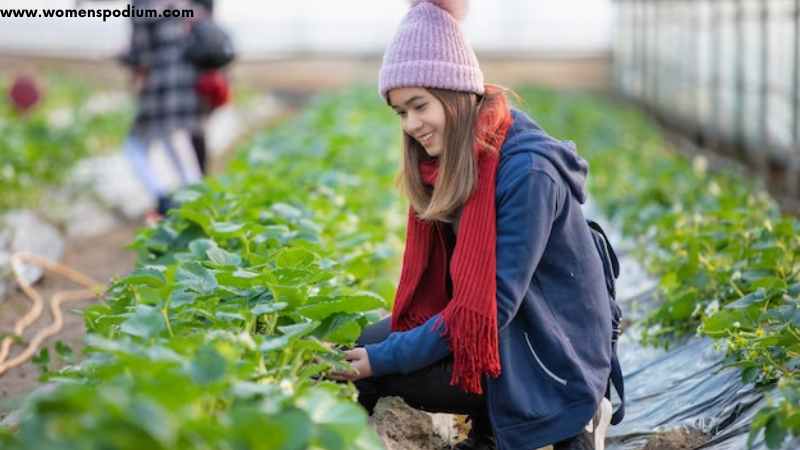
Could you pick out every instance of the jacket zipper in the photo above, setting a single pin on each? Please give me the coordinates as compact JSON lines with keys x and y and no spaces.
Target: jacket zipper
{"x":541,"y":364}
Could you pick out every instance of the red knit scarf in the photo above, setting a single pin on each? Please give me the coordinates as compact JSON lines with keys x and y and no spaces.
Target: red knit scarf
{"x":470,"y":317}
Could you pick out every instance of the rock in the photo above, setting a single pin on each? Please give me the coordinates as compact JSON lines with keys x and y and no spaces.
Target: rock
{"x":444,"y":426}
{"x":24,"y":232}
{"x":402,"y":427}
{"x":78,"y":211}
{"x":113,"y":180}
{"x":87,"y":218}
{"x":683,"y":438}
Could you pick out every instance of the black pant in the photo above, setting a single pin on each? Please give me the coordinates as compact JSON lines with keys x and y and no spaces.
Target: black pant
{"x":427,"y":389}
{"x":198,"y":139}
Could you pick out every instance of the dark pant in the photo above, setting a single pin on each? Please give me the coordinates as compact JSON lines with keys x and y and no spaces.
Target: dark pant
{"x":427,"y":389}
{"x":198,"y":139}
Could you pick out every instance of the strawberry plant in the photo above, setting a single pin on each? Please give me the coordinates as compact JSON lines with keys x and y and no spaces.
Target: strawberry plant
{"x":727,"y":260}
{"x":222,"y":335}
{"x":41,"y":147}
{"x":241,"y":298}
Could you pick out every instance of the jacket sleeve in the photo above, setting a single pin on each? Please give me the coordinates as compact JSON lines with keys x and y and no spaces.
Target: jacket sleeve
{"x":526,"y":210}
{"x":407,"y":351}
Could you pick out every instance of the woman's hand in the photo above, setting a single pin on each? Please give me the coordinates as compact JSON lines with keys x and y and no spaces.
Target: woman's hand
{"x":359,"y":361}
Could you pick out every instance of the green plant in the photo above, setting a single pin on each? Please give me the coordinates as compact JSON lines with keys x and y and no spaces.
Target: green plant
{"x":728,"y":263}
{"x":222,"y":335}
{"x":41,"y":147}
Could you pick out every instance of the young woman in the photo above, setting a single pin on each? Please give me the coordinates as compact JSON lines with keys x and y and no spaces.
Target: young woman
{"x":166,"y":99}
{"x":502,"y":311}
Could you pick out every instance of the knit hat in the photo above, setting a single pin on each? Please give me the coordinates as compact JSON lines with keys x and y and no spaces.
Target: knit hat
{"x":429,"y":50}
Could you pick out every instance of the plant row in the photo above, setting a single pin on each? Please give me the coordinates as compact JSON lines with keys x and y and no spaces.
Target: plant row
{"x":728,"y":262}
{"x":222,"y":336}
{"x":242,"y":295}
{"x":40,"y":147}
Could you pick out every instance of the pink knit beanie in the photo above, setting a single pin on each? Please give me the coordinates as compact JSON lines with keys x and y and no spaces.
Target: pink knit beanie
{"x":430,"y":51}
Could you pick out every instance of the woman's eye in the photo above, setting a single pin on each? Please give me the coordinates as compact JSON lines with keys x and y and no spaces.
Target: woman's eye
{"x":400,"y":113}
{"x":421,"y":107}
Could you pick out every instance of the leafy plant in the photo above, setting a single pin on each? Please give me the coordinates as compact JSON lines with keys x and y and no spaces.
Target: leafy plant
{"x":728,"y":261}
{"x":222,"y":335}
{"x":41,"y":147}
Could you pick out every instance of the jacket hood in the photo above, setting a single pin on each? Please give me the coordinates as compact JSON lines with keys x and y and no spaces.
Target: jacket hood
{"x":525,"y":135}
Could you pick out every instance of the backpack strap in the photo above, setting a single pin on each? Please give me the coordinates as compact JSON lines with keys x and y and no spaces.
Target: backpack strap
{"x":611,"y":254}
{"x":619,"y":386}
{"x":611,"y":264}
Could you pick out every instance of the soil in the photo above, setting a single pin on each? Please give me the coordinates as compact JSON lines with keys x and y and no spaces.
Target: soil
{"x":404,"y":428}
{"x":102,"y":257}
{"x":314,"y":73}
{"x":678,"y":439}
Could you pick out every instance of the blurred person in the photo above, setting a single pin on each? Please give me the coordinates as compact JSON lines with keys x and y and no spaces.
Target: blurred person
{"x":210,"y":50}
{"x":24,"y":93}
{"x":502,"y":311}
{"x":167,"y":101}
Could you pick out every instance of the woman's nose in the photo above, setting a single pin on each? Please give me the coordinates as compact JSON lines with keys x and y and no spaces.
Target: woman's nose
{"x":413,"y":124}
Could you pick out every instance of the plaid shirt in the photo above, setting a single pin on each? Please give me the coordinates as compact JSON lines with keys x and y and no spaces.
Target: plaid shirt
{"x":168,"y":100}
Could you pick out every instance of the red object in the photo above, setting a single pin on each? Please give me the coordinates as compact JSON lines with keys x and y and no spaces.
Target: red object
{"x":24,"y":93}
{"x":470,"y":318}
{"x":214,"y":88}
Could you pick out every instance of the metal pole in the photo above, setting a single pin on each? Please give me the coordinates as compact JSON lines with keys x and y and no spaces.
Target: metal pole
{"x":616,"y":60}
{"x":739,"y":132}
{"x":647,"y":52}
{"x":715,"y":32}
{"x":643,"y":49}
{"x":796,"y":81}
{"x":764,"y":92}
{"x":694,"y":10}
{"x":656,"y":54}
{"x":633,"y":77}
{"x":793,"y":174}
{"x":625,"y":46}
{"x":634,"y":35}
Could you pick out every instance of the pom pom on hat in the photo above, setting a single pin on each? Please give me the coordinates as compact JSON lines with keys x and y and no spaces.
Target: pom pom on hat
{"x":456,"y":8}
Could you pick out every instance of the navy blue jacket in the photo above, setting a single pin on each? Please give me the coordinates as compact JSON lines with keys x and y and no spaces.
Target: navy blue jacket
{"x":552,"y":303}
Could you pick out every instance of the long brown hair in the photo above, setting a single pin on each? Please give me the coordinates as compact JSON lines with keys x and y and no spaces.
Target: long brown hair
{"x":458,"y":166}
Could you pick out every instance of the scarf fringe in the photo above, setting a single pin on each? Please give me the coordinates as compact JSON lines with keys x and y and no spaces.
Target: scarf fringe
{"x":469,"y":319}
{"x":470,"y":335}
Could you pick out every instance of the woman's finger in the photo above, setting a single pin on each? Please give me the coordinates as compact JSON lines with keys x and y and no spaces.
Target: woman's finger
{"x":337,"y":377}
{"x":353,"y":354}
{"x":343,"y":376}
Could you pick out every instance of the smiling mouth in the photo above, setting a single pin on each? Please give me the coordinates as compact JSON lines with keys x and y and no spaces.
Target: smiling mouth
{"x":425,"y":139}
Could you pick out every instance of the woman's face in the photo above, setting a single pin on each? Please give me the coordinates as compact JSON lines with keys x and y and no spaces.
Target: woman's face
{"x":421,"y":116}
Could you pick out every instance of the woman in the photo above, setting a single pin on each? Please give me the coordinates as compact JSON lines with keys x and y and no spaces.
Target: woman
{"x":166,"y":98}
{"x":502,"y":311}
